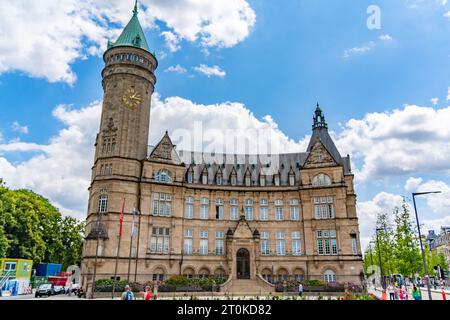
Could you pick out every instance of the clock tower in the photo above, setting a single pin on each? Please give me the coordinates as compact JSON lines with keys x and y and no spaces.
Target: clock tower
{"x":121,"y":145}
{"x":128,"y":84}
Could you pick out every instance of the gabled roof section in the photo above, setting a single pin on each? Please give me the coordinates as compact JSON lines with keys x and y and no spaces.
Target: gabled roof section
{"x":165,"y":151}
{"x":320,"y":132}
{"x":320,"y":157}
{"x":132,"y":35}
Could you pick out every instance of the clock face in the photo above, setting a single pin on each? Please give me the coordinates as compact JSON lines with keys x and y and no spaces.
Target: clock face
{"x":131,"y":98}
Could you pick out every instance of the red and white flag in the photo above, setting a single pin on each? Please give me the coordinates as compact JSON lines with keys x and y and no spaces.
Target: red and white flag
{"x":121,"y":219}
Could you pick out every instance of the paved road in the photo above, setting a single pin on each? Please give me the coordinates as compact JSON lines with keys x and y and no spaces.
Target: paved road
{"x":32,"y":297}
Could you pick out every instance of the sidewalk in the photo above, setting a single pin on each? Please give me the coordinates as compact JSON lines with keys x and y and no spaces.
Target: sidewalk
{"x":436,"y":294}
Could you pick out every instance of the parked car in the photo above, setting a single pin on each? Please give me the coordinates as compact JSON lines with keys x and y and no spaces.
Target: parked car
{"x":59,"y":289}
{"x":46,"y":289}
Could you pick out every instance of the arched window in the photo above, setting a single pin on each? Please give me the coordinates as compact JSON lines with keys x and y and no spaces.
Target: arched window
{"x":321,"y":180}
{"x":163,"y":176}
{"x":329,"y":276}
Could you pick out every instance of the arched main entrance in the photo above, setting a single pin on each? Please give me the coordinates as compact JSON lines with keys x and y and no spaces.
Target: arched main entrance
{"x":243,"y":264}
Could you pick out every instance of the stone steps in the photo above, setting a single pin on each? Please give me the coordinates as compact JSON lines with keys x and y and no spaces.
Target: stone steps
{"x":248,"y":287}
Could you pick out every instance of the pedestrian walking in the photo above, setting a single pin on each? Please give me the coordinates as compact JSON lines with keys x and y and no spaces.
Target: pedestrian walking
{"x":148,"y":293}
{"x":416,"y":293}
{"x":127,"y":294}
{"x":391,"y":292}
{"x":300,"y":290}
{"x":401,"y":294}
{"x":384,"y":295}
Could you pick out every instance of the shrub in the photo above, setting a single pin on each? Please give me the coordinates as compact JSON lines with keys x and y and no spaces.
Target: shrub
{"x":177,"y":281}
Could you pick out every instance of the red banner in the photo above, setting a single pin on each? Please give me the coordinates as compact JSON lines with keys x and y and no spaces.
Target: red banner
{"x":121,"y":218}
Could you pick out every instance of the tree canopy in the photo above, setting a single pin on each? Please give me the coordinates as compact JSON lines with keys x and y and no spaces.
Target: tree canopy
{"x":32,"y":228}
{"x":396,"y":244}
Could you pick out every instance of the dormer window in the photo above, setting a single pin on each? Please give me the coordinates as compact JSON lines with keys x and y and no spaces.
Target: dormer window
{"x":292,"y":180}
{"x":277,"y":179}
{"x":190,"y":177}
{"x":262,"y":180}
{"x":248,"y":181}
{"x":233,"y":180}
{"x":205,"y":176}
{"x":219,"y":180}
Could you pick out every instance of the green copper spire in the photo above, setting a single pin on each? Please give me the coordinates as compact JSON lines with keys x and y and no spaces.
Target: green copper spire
{"x":132,"y":35}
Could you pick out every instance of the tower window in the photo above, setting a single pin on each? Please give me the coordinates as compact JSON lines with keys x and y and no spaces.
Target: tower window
{"x":103,"y":203}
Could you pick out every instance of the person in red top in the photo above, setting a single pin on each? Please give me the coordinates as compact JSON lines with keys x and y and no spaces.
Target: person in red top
{"x":148,"y":293}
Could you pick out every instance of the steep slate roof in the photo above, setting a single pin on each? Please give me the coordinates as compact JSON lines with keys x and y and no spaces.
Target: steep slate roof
{"x":132,"y":35}
{"x":255,"y":164}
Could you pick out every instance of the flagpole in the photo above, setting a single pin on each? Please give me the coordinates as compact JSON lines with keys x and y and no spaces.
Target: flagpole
{"x":137,"y":245}
{"x":115,"y":270}
{"x":118,"y":248}
{"x":131,"y":245}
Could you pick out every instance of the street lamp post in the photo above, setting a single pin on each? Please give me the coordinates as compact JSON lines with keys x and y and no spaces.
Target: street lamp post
{"x":383,"y":284}
{"x":420,"y":240}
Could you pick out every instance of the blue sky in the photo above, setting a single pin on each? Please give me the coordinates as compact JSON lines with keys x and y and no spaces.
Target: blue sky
{"x":290,"y":56}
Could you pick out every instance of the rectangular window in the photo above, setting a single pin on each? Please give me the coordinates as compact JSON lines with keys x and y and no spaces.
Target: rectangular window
{"x":219,"y":247}
{"x":189,"y":211}
{"x":162,"y":204}
{"x":279,"y":213}
{"x":203,"y":246}
{"x":296,"y":244}
{"x":204,"y":211}
{"x":324,"y":212}
{"x":354,"y":244}
{"x":264,"y":213}
{"x":331,"y":211}
{"x":219,"y":212}
{"x":317,"y":211}
{"x":249,"y":213}
{"x":281,"y":244}
{"x":187,"y":246}
{"x":320,"y":246}
{"x":204,"y":234}
{"x":159,"y":242}
{"x":265,"y":250}
{"x":234,"y":213}
{"x":326,"y":242}
{"x":295,"y":216}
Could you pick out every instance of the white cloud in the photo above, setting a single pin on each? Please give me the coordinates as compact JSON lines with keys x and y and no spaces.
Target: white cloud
{"x":398,"y":142}
{"x":367,"y":212}
{"x":447,"y":14}
{"x":176,"y":69}
{"x":385,"y":37}
{"x":434,"y":101}
{"x":210,"y":71}
{"x":359,"y":50}
{"x":58,"y":172}
{"x":448,"y":94}
{"x":367,"y":47}
{"x":17,"y":127}
{"x":172,"y":41}
{"x":44,"y":38}
{"x":412,"y":184}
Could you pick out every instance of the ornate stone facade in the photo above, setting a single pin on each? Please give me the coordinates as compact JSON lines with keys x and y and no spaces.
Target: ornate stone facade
{"x":233,"y":218}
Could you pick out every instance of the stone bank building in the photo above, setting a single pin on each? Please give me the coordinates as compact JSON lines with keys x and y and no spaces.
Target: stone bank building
{"x":246,"y":220}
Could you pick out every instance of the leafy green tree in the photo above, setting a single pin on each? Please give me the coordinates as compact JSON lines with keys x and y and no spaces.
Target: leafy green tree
{"x":32,"y":228}
{"x":406,"y":251}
